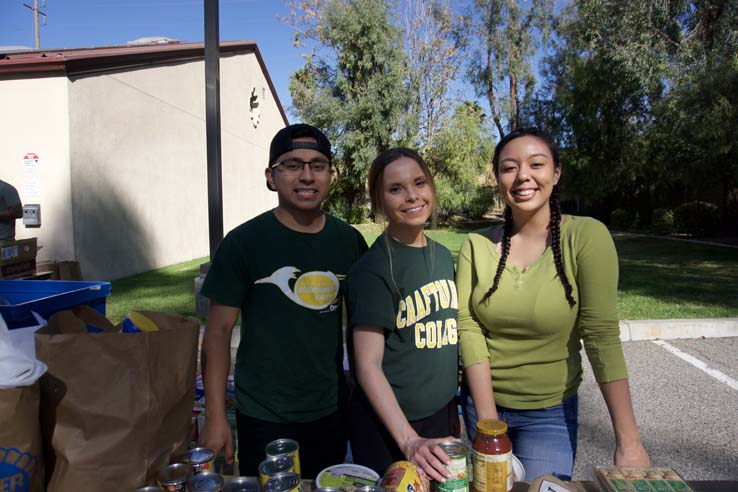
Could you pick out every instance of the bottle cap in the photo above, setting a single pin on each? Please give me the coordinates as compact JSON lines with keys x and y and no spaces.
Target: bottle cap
{"x":491,"y":427}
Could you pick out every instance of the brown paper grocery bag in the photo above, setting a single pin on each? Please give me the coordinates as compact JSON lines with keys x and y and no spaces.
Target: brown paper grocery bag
{"x":21,"y":460}
{"x":116,"y":405}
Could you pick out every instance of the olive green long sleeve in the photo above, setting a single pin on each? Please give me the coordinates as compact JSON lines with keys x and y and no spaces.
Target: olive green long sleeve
{"x":527,"y":330}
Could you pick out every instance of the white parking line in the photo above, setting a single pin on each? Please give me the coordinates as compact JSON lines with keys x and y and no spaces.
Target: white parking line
{"x":699,"y":364}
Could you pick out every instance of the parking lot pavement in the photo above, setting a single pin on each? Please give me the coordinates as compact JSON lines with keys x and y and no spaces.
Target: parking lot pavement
{"x":688,"y":418}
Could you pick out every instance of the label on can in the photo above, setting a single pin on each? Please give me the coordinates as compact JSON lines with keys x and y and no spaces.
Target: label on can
{"x":492,"y":472}
{"x":459,"y":468}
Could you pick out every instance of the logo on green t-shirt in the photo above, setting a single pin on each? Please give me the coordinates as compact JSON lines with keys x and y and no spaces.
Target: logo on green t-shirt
{"x":313,"y":290}
{"x":424,"y":302}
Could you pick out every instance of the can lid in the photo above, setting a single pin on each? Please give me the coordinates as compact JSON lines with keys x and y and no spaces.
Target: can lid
{"x":174,"y":474}
{"x":281,"y":446}
{"x":196,"y":456}
{"x":275,"y":464}
{"x":453,"y":448}
{"x":205,"y":482}
{"x":282,"y":482}
{"x":492,"y":427}
{"x":241,"y":484}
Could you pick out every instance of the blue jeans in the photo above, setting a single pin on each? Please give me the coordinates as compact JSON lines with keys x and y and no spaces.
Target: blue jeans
{"x":544,"y":440}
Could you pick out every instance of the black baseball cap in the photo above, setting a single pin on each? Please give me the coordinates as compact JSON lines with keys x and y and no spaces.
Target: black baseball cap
{"x":284,"y":141}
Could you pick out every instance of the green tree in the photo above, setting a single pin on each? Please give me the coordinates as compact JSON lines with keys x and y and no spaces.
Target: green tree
{"x":609,"y":72}
{"x":460,"y":161}
{"x":502,"y":39}
{"x":433,"y":60}
{"x":351,"y":86}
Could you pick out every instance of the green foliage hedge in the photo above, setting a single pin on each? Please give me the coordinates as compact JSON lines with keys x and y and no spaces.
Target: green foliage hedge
{"x":663,"y":220}
{"x":697,"y":218}
{"x":622,"y":218}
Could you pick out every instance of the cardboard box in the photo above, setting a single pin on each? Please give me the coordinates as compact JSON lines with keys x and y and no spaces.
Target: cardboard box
{"x":17,"y":270}
{"x":18,"y":251}
{"x":60,"y":270}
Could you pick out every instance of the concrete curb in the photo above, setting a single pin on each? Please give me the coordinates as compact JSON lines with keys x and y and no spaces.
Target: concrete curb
{"x":666,"y":329}
{"x":681,"y":239}
{"x":636,"y":330}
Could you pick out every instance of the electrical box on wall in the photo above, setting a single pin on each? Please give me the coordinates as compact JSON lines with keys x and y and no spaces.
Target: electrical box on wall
{"x":32,"y":215}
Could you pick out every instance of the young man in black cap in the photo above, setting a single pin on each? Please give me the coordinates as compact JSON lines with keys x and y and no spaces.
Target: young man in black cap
{"x":284,"y":271}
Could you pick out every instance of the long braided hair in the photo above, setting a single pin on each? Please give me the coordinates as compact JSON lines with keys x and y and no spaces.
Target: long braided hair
{"x":555,"y":221}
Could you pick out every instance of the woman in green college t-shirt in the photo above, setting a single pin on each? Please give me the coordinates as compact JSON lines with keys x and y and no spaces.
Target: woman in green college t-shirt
{"x":530,"y":292}
{"x":403,"y":307}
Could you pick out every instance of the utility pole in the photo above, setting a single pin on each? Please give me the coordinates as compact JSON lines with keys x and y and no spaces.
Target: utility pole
{"x":212,"y":123}
{"x":36,"y":13}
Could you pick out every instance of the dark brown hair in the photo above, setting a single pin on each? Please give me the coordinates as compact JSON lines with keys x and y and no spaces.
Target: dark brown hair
{"x":555,"y":221}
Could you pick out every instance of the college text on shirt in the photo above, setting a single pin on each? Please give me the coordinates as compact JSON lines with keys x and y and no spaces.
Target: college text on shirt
{"x":428,"y":299}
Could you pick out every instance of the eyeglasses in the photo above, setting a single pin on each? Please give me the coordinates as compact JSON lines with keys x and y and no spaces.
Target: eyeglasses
{"x":295,"y":166}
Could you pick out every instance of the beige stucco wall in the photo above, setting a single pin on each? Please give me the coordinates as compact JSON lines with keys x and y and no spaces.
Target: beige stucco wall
{"x":138,"y":162}
{"x":35,"y":119}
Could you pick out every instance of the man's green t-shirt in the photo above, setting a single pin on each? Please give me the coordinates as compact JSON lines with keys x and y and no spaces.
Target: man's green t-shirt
{"x":289,"y":286}
{"x":411,"y":293}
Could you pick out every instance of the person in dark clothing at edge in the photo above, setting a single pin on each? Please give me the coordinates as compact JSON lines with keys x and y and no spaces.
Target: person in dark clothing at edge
{"x":284,"y":271}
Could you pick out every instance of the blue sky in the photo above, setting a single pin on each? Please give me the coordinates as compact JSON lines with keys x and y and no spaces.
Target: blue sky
{"x":84,"y":23}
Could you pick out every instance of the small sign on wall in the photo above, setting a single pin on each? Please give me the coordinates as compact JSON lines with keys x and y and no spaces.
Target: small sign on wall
{"x":30,"y":162}
{"x":31,"y":176}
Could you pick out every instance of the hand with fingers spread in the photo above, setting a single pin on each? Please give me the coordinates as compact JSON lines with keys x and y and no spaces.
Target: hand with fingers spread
{"x":427,"y":454}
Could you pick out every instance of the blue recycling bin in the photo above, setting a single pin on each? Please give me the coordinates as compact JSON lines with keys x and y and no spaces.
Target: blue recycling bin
{"x":19,"y":297}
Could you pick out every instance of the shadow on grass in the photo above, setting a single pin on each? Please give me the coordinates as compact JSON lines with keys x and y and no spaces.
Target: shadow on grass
{"x":678,"y":272}
{"x":167,"y":289}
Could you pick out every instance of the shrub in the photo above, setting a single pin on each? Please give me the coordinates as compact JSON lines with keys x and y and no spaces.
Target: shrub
{"x":356,"y":214}
{"x":622,"y":218}
{"x":663,"y":220}
{"x":697,"y":218}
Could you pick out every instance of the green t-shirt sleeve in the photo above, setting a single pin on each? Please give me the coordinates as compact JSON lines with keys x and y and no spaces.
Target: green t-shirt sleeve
{"x":597,"y":281}
{"x":370,"y":301}
{"x":227,"y":280}
{"x":472,"y":342}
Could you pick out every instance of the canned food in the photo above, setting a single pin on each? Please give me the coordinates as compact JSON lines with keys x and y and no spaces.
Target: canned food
{"x":273,"y":465}
{"x":205,"y":482}
{"x":404,"y":476}
{"x":242,"y":484}
{"x":285,"y":446}
{"x":201,"y":459}
{"x":173,"y":477}
{"x":347,"y":477}
{"x":372,"y":488}
{"x":283,"y":482}
{"x":459,"y":468}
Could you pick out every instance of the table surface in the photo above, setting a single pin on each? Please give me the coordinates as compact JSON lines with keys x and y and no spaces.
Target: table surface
{"x":697,"y":485}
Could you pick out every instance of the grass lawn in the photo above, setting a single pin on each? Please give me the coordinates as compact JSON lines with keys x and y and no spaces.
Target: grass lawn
{"x":659,"y":279}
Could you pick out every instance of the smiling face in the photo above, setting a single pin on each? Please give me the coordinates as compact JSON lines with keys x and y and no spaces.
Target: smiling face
{"x":406,"y":196}
{"x":526,"y":174}
{"x":305,"y":190}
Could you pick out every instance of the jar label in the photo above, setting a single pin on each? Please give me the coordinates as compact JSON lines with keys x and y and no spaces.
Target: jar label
{"x":492,"y":472}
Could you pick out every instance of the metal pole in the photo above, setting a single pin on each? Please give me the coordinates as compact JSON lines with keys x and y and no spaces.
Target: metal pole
{"x":212,"y":124}
{"x":35,"y":23}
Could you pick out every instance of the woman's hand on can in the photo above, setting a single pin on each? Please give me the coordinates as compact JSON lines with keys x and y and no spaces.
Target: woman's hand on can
{"x":427,"y":454}
{"x":216,"y":435}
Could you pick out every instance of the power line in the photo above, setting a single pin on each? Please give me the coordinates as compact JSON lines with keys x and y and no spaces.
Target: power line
{"x":36,"y":13}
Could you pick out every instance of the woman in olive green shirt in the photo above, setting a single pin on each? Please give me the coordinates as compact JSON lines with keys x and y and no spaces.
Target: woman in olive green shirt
{"x":530,"y":292}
